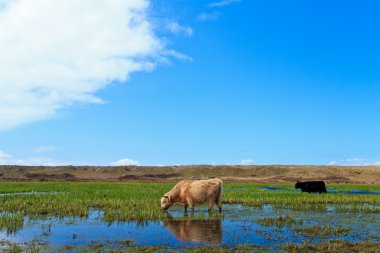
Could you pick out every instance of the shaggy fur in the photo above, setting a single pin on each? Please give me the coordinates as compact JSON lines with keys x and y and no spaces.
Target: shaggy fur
{"x":190,"y":192}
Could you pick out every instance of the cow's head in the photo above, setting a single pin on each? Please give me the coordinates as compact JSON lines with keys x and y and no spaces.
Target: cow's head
{"x":166,"y":202}
{"x":298,"y":185}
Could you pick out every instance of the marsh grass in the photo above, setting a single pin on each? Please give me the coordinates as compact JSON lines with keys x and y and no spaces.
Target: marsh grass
{"x":335,"y":246}
{"x":123,"y":248}
{"x":248,"y":248}
{"x":11,"y":222}
{"x":254,"y":195}
{"x":279,"y":221}
{"x":140,"y":201}
{"x":100,"y":248}
{"x":9,"y":247}
{"x":322,"y":230}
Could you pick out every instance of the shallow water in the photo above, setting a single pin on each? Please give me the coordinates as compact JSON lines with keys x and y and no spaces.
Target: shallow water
{"x":27,"y":193}
{"x":353,"y":192}
{"x":238,"y":225}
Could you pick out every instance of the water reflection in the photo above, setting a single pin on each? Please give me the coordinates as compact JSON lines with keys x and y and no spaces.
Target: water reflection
{"x":238,"y":225}
{"x":208,"y":231}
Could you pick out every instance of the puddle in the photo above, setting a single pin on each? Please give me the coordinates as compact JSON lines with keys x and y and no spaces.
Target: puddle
{"x":271,"y":188}
{"x":27,"y":193}
{"x":353,"y":192}
{"x":238,"y":225}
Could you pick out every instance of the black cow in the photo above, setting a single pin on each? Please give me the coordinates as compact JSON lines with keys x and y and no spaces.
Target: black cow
{"x":311,"y":186}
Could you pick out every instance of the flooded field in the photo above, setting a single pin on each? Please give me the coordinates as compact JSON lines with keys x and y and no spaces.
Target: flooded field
{"x":242,"y":226}
{"x":261,"y":226}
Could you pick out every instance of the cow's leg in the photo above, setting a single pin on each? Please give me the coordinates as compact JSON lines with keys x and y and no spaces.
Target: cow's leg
{"x":210,"y":204}
{"x":218,"y":202}
{"x":185,"y":206}
{"x":191,"y":205}
{"x":219,"y":205}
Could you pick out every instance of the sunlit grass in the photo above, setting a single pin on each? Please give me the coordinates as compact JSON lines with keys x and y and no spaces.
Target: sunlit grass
{"x":322,"y":230}
{"x":11,"y":222}
{"x":256,"y":195}
{"x":140,"y":201}
{"x":334,"y":246}
{"x":279,"y":221}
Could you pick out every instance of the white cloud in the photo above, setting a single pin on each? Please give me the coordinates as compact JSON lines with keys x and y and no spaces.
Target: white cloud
{"x":125,"y":162}
{"x":204,"y":16}
{"x":246,"y":162}
{"x":54,"y":54}
{"x":222,"y":3}
{"x":7,"y":159}
{"x":356,"y":162}
{"x":177,"y":55}
{"x":178,"y":29}
{"x":4,"y":154}
{"x":44,"y":149}
{"x":37,"y":160}
{"x":4,"y":157}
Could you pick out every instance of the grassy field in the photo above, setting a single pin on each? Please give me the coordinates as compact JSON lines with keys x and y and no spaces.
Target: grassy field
{"x":140,"y":202}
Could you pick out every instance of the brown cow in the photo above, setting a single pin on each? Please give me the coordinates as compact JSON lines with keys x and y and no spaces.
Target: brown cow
{"x":190,"y":192}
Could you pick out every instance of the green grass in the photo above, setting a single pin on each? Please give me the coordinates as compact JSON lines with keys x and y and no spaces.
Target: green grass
{"x":131,"y":201}
{"x":322,"y":230}
{"x":140,"y":201}
{"x":254,"y":195}
{"x":130,"y":248}
{"x":11,"y":222}
{"x":334,"y":246}
{"x":279,"y":221}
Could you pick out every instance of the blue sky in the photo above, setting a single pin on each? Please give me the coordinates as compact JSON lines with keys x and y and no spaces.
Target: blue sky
{"x":204,"y":82}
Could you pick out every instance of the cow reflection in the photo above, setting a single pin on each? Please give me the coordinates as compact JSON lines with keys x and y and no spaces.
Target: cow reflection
{"x":209,"y":231}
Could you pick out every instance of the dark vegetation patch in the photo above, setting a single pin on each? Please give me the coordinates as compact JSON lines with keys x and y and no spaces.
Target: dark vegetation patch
{"x":335,"y":246}
{"x":150,"y":176}
{"x":51,"y":177}
{"x":280,"y":221}
{"x":175,"y":175}
{"x":322,"y":230}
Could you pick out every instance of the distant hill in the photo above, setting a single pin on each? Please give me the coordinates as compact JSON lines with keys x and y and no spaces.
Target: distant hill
{"x":229,"y":173}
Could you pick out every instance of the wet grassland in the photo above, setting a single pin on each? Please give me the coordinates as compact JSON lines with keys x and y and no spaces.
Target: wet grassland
{"x":126,"y":217}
